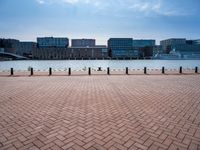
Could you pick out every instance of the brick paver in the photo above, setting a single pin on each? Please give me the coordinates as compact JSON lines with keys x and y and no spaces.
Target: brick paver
{"x":100,"y":112}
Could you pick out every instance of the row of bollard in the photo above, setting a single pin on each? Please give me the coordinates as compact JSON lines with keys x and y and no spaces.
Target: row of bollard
{"x":108,"y":71}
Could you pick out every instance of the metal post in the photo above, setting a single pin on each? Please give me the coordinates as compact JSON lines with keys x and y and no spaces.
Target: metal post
{"x":127,"y":70}
{"x":163,"y":70}
{"x":108,"y":71}
{"x":181,"y":70}
{"x":50,"y":71}
{"x":31,"y":71}
{"x":145,"y":70}
{"x":11,"y":71}
{"x":69,"y":71}
{"x":89,"y":71}
{"x":196,"y":69}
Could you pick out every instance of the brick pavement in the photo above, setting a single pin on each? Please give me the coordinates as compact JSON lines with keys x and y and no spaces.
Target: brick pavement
{"x":100,"y":112}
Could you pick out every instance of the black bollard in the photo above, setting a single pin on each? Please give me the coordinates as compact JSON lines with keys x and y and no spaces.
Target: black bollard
{"x":163,"y":70}
{"x":31,"y":71}
{"x":196,"y":69}
{"x":11,"y":71}
{"x":145,"y":70}
{"x":69,"y":71}
{"x":89,"y":71}
{"x":127,"y":70}
{"x":181,"y":70}
{"x":99,"y":69}
{"x":50,"y":71}
{"x":108,"y":71}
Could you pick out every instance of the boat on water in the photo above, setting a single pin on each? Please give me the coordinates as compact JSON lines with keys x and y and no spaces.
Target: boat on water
{"x":173,"y":55}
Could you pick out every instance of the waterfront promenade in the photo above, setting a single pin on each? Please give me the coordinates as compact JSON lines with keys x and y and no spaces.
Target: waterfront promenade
{"x":100,"y":112}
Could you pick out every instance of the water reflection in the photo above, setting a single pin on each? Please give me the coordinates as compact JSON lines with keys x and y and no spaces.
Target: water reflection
{"x":84,"y":64}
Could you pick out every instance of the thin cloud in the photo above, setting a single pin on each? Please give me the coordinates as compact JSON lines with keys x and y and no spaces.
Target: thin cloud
{"x":70,"y":1}
{"x":40,"y":1}
{"x":156,"y":7}
{"x":67,"y":1}
{"x":146,"y":7}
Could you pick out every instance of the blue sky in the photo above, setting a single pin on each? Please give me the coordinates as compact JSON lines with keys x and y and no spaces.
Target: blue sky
{"x":100,"y":19}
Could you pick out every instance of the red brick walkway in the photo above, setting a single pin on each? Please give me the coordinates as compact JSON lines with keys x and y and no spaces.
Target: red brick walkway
{"x":100,"y":112}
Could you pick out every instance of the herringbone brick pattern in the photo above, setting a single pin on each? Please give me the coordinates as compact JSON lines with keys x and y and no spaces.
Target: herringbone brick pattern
{"x":100,"y":112}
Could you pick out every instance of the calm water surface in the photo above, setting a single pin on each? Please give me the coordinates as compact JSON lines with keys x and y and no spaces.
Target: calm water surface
{"x":81,"y":64}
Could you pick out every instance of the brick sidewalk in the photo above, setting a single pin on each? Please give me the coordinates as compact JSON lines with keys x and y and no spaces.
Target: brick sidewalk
{"x":100,"y":112}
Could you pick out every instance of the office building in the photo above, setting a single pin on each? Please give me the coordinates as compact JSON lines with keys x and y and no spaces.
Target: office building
{"x":120,"y":48}
{"x":193,"y":42}
{"x":157,"y":49}
{"x":146,"y":52}
{"x":87,"y":53}
{"x":56,"y":53}
{"x":197,"y":41}
{"x":25,"y":48}
{"x":83,"y":43}
{"x":166,"y":44}
{"x":187,"y":49}
{"x":143,"y":42}
{"x":9,"y":45}
{"x":140,"y":47}
{"x":192,"y":48}
{"x":52,"y":42}
{"x":50,"y":53}
{"x":2,"y":50}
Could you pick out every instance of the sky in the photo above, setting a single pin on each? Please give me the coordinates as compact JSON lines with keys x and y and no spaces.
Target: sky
{"x":100,"y":19}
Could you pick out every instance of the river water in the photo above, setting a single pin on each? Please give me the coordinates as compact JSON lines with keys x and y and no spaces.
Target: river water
{"x":81,"y":64}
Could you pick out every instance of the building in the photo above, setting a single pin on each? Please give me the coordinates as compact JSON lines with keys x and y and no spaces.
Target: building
{"x":16,"y":47}
{"x":9,"y":45}
{"x":2,"y":50}
{"x":52,"y":42}
{"x":83,"y":43}
{"x":50,"y":53}
{"x":146,"y":52}
{"x":166,"y":44}
{"x":62,"y":53}
{"x":197,"y":41}
{"x":120,"y":48}
{"x":186,"y":49}
{"x":182,"y":45}
{"x":157,"y":49}
{"x":143,"y":42}
{"x":50,"y":48}
{"x":25,"y":48}
{"x":87,"y":53}
{"x":193,"y":42}
{"x":142,"y":46}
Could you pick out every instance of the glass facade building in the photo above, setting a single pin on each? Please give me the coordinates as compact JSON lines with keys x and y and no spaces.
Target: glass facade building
{"x":83,"y":42}
{"x":62,"y":53}
{"x":120,"y":47}
{"x":139,"y":46}
{"x":52,"y":42}
{"x":186,"y":48}
{"x":25,"y":48}
{"x":166,"y":44}
{"x":143,"y":43}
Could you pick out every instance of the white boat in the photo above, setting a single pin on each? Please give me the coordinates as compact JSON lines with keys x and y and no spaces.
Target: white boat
{"x":173,"y":55}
